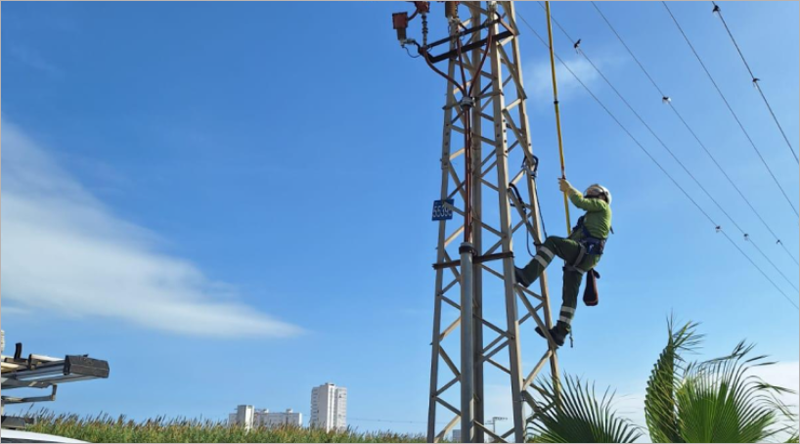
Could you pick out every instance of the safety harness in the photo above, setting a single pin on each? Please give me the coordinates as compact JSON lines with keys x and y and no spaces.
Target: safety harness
{"x":593,"y":245}
{"x":588,"y":245}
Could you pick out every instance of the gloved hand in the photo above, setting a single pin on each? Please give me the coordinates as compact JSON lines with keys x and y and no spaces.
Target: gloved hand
{"x":564,"y":186}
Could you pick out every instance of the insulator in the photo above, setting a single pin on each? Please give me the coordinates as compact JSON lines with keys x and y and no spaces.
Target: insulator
{"x":450,"y":9}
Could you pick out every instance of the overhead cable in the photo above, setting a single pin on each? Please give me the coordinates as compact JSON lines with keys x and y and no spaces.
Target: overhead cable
{"x":650,"y":156}
{"x":756,"y":81}
{"x":745,"y":234}
{"x":733,"y":113}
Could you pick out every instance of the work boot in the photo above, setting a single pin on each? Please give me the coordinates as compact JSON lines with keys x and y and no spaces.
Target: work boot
{"x":520,"y":277}
{"x":558,"y":333}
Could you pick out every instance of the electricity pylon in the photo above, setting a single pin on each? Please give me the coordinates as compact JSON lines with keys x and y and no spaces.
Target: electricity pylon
{"x":485,"y":107}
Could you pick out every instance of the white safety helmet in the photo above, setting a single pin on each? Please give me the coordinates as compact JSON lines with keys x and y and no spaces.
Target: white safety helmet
{"x":598,"y":190}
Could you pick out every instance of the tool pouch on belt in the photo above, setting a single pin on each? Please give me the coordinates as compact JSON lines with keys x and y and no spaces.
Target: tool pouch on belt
{"x":593,"y":245}
{"x":590,"y":294}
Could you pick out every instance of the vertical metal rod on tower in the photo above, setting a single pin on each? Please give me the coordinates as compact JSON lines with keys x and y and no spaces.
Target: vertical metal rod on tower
{"x":477,"y":233}
{"x":467,"y":346}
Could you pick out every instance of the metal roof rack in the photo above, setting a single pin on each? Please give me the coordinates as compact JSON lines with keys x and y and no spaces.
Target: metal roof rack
{"x":40,"y":371}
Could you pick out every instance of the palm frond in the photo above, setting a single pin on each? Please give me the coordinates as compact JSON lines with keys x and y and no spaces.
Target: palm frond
{"x":661,"y":410}
{"x":579,"y":416}
{"x":720,"y":400}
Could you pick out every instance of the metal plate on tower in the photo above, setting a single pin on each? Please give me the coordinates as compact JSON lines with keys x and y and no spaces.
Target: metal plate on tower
{"x":441,"y":212}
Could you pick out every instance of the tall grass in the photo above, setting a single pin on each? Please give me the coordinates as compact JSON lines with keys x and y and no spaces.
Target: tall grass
{"x":105,"y":428}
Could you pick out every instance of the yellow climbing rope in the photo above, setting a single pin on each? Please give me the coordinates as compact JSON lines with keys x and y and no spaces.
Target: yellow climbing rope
{"x":558,"y":116}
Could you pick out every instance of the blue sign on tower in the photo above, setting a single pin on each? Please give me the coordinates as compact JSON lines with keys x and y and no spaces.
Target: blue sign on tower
{"x":441,"y":212}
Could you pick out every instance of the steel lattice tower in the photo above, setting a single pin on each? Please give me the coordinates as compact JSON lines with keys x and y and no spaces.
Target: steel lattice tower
{"x":489,"y":107}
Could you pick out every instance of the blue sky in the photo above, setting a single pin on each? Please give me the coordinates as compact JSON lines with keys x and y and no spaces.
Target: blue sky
{"x":231,"y":201}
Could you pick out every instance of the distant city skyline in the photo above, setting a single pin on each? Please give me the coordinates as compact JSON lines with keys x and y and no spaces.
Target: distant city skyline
{"x":242,"y":417}
{"x":248,"y":416}
{"x":329,"y":407}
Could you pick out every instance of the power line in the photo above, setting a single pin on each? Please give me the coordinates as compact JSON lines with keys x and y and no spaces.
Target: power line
{"x":777,"y":239}
{"x":671,"y":153}
{"x":755,"y":79}
{"x":629,"y":51}
{"x":691,"y":131}
{"x":752,"y":143}
{"x":760,"y":270}
{"x":636,"y":141}
{"x":773,"y":265}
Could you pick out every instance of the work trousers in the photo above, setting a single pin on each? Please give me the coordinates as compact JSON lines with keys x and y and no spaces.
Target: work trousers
{"x":568,"y":250}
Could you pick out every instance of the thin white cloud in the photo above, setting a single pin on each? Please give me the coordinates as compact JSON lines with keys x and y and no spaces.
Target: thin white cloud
{"x":15,"y":311}
{"x":65,"y":252}
{"x":31,"y":58}
{"x":539,"y":81}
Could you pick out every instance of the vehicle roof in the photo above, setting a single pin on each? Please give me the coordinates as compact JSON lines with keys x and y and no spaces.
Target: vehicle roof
{"x":8,"y":435}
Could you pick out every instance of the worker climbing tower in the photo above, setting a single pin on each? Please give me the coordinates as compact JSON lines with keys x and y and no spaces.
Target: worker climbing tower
{"x":488,"y":173}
